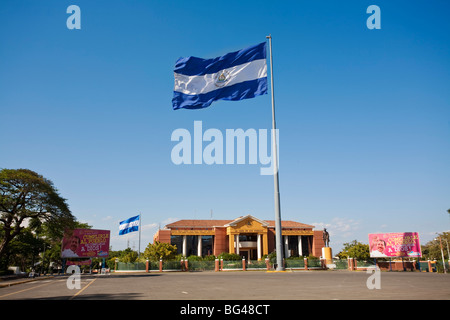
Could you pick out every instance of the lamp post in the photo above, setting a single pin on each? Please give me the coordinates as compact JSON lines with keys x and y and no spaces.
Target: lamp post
{"x":442,"y":253}
{"x":448,"y":253}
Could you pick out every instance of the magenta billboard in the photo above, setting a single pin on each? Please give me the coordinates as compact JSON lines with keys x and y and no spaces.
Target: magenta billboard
{"x":85,"y":243}
{"x":398,"y":244}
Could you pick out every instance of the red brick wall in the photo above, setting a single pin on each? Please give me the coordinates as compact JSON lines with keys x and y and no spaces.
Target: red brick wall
{"x":318,"y":243}
{"x":220,"y":241}
{"x":397,"y":265}
{"x":162,"y":236}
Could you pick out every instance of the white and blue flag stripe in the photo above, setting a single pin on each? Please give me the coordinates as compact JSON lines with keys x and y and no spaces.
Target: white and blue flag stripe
{"x":235,"y":76}
{"x":129,"y":225}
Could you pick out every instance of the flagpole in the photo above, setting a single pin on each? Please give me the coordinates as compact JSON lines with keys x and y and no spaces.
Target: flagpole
{"x":278,"y":237}
{"x":139,"y":248}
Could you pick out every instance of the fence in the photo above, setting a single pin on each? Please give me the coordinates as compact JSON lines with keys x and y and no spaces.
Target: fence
{"x":219,"y":265}
{"x":399,"y":265}
{"x":130,"y":266}
{"x":290,"y":264}
{"x":433,"y":266}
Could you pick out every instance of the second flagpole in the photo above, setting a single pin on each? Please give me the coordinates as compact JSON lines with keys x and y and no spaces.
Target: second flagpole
{"x":278,"y":236}
{"x":139,"y":248}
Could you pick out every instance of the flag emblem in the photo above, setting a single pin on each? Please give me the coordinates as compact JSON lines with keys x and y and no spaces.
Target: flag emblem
{"x":221,"y":78}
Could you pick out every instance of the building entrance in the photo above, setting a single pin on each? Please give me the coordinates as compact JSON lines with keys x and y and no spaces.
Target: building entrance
{"x":248,"y":254}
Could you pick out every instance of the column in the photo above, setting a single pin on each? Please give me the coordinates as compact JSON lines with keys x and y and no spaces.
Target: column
{"x":231,"y":243}
{"x":300,"y":250}
{"x":199,"y":245}
{"x":286,"y":247}
{"x":258,"y":246}
{"x":237,"y":243}
{"x":184,"y":246}
{"x":265,"y":244}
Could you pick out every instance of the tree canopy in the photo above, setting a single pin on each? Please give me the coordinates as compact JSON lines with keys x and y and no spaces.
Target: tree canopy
{"x":432,"y":250}
{"x":27,"y":201}
{"x":355,"y":249}
{"x":160,"y":250}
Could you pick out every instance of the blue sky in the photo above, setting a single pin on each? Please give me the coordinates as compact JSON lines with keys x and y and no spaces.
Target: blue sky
{"x":364,"y":115}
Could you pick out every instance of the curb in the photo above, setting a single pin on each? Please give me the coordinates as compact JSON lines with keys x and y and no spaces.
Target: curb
{"x":12,"y":283}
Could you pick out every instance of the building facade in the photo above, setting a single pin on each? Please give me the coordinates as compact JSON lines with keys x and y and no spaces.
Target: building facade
{"x":247,"y":236}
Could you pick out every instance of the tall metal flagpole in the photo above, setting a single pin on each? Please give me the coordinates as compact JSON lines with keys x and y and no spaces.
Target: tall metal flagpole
{"x":139,"y":248}
{"x":278,"y":237}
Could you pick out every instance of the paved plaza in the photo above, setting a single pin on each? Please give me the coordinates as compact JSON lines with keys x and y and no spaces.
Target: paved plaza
{"x":227,"y":295}
{"x":237,"y":285}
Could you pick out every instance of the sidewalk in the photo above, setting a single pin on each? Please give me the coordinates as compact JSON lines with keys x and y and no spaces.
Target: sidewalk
{"x":11,"y":282}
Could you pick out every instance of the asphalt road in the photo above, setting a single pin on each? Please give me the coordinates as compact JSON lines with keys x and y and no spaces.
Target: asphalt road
{"x":240,"y":285}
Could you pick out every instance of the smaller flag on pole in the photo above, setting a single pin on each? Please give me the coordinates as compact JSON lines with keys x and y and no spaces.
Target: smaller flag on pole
{"x":129,"y":225}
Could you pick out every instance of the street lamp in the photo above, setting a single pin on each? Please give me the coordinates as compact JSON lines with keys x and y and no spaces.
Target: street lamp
{"x":442,"y":252}
{"x":448,"y":253}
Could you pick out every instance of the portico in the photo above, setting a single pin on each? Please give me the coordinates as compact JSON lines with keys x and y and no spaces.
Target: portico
{"x":247,"y":234}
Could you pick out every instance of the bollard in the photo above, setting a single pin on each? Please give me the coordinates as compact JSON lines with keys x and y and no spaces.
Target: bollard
{"x":160,"y":265}
{"x":216,"y":265}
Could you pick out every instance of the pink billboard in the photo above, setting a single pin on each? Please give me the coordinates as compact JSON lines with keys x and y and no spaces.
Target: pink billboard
{"x":85,"y":243}
{"x":399,"y":244}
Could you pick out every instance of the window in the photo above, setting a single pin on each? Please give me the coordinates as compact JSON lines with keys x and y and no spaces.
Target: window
{"x":207,"y":245}
{"x":191,"y":245}
{"x":178,"y":242}
{"x":248,"y":237}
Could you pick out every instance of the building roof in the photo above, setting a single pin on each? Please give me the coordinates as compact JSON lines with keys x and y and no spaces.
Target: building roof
{"x":290,"y":224}
{"x":243,"y":218}
{"x":195,"y":223}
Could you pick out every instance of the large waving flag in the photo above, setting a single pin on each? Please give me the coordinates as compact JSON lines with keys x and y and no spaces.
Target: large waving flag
{"x":129,"y":225}
{"x":235,"y":76}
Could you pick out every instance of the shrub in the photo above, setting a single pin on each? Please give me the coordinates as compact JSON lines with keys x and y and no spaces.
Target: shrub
{"x":229,"y":256}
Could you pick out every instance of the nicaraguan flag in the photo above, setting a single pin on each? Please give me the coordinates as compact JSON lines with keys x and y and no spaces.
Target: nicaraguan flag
{"x":129,"y":225}
{"x":235,"y":76}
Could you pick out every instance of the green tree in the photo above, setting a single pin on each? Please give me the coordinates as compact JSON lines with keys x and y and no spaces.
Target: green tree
{"x":160,"y":250}
{"x":432,"y":249}
{"x":23,"y":250}
{"x":27,"y":199}
{"x":128,"y":255}
{"x":355,"y":249}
